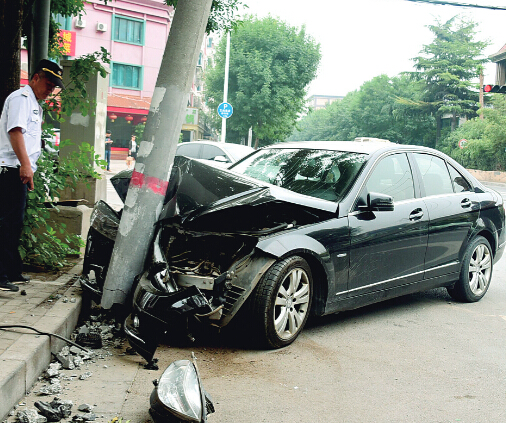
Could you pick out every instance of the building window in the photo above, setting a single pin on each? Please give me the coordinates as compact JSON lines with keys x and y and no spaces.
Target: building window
{"x":64,"y":22}
{"x":210,"y":42}
{"x":128,"y":30}
{"x":126,"y":76}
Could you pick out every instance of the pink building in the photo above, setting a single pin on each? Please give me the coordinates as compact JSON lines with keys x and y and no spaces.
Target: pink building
{"x":134,"y":32}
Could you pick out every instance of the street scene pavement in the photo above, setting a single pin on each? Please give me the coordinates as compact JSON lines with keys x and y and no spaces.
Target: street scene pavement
{"x":418,"y":358}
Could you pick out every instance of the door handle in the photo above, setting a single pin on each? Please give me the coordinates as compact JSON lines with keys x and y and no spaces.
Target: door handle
{"x":465,"y":203}
{"x":416,"y":214}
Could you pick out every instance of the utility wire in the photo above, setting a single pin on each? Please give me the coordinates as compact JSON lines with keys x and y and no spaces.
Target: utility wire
{"x":7,"y":327}
{"x":451,"y":3}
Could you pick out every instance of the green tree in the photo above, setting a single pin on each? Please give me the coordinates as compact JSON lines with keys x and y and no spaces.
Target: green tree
{"x":271,"y":64}
{"x":486,"y":139}
{"x":372,"y":111}
{"x":447,"y":67}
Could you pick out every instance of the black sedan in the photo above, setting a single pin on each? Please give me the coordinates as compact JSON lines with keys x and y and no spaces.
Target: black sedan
{"x":314,"y":228}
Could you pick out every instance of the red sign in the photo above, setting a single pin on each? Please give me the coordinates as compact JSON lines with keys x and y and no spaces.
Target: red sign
{"x":462,"y":143}
{"x":68,"y":42}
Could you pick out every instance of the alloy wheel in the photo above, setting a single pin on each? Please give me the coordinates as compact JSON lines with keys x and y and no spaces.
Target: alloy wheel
{"x":292,"y":303}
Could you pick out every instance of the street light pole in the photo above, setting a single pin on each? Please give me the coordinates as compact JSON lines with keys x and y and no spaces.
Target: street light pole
{"x":225,"y":88}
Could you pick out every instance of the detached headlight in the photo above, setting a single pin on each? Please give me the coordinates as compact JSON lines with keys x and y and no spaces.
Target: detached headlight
{"x":178,"y":394}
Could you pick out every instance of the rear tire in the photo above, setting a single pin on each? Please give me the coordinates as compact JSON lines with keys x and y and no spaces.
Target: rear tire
{"x":476,"y":272}
{"x":281,"y":302}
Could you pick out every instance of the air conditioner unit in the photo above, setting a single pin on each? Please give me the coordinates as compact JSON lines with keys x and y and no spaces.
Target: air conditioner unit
{"x":80,"y":23}
{"x":102,"y":27}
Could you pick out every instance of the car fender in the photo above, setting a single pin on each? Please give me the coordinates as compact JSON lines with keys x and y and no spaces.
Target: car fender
{"x":298,"y":244}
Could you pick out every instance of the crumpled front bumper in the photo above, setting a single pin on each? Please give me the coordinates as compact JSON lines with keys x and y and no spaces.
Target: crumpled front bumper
{"x":155,"y":312}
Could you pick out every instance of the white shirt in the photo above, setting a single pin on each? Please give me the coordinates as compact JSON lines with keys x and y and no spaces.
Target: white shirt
{"x":21,"y":109}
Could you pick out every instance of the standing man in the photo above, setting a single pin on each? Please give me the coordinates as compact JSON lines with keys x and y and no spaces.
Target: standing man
{"x":108,"y":145}
{"x":20,"y":148}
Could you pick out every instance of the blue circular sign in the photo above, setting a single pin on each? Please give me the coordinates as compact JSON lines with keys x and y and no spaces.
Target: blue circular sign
{"x":225,"y":110}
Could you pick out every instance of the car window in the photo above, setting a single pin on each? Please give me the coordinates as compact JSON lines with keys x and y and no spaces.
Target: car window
{"x":460,"y":183}
{"x":435,"y":176}
{"x":189,"y":150}
{"x":392,"y":176}
{"x":321,"y":174}
{"x":210,"y":152}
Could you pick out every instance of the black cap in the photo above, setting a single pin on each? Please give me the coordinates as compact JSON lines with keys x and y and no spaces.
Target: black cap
{"x":52,"y":71}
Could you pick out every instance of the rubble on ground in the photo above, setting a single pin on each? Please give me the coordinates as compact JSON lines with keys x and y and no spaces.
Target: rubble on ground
{"x":71,"y":365}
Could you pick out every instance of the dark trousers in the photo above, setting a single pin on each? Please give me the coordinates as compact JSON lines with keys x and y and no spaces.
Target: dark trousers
{"x":12,"y":213}
{"x":108,"y":159}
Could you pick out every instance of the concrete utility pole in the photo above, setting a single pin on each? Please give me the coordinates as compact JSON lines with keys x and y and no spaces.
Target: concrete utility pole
{"x":156,"y":153}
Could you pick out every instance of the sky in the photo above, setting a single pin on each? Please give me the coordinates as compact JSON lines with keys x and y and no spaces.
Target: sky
{"x":361,"y":39}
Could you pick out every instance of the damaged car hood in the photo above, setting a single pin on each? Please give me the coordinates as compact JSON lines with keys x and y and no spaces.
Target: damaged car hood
{"x":201,"y":197}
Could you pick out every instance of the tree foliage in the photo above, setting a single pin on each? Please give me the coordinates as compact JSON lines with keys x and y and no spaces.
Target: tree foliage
{"x":372,"y":111}
{"x":486,"y":139}
{"x":447,"y":67}
{"x":271,"y":64}
{"x":410,"y":107}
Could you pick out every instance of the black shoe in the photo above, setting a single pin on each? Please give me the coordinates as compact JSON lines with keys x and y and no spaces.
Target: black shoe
{"x":8,"y":286}
{"x":19,"y":278}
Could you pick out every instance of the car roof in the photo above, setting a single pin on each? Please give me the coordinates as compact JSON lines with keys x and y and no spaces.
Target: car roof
{"x":366,"y":147}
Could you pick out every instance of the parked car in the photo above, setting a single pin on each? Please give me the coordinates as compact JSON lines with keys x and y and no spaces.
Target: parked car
{"x":217,"y":153}
{"x":311,"y":228}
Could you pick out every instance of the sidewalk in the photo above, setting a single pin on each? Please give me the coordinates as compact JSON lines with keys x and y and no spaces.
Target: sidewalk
{"x":48,"y":306}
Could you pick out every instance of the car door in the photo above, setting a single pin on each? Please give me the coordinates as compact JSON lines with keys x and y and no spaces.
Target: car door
{"x":387,"y":248}
{"x":453,"y":209}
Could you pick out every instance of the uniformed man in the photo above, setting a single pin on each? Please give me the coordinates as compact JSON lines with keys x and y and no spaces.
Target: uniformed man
{"x":20,"y":148}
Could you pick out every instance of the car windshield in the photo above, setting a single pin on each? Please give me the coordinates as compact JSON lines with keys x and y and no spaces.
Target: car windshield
{"x":324,"y":174}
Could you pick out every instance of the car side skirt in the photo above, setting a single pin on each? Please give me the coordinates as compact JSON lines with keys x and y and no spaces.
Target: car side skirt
{"x":357,"y":301}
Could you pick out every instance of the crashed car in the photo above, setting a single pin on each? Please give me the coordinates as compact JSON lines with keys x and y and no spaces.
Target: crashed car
{"x":311,"y":228}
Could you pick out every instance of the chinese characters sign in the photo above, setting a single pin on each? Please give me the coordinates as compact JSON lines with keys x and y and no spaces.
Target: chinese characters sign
{"x":69,"y":42}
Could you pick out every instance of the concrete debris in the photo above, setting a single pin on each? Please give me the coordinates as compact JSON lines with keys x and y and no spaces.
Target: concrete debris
{"x":85,"y":408}
{"x":53,"y":370}
{"x":30,"y":415}
{"x":85,"y":375}
{"x":85,"y":417}
{"x":69,"y":359}
{"x":54,"y":388}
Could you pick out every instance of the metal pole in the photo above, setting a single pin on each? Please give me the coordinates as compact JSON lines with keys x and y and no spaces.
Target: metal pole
{"x":225,"y":89}
{"x":156,"y":152}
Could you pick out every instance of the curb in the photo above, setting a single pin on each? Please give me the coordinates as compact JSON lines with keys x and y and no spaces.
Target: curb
{"x":30,"y":355}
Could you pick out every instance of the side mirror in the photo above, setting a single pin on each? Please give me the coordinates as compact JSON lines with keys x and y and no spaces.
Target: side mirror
{"x":378,"y":202}
{"x":221,"y":159}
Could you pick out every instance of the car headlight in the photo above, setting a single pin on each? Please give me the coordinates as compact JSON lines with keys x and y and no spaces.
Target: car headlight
{"x":178,"y":391}
{"x":105,"y":220}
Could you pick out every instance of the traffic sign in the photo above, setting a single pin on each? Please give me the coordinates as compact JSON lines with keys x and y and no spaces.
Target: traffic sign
{"x":462,"y":143}
{"x":225,"y":110}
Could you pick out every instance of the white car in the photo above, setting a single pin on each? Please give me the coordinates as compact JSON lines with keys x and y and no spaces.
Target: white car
{"x":215,"y":153}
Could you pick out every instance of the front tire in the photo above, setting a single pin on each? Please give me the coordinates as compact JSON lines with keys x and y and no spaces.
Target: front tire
{"x":282,"y":301}
{"x":476,"y":272}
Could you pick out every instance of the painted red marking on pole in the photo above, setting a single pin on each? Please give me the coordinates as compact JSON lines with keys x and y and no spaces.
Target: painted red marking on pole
{"x":137,"y":179}
{"x":158,"y":186}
